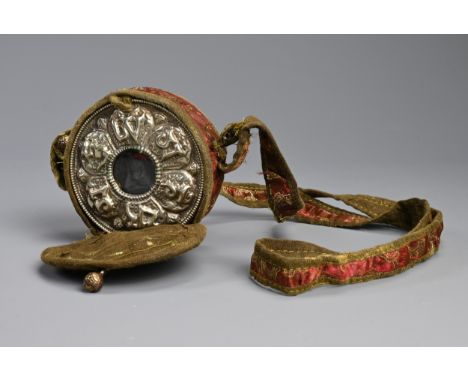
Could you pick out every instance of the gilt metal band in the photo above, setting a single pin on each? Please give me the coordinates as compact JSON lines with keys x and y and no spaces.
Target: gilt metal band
{"x":149,"y":129}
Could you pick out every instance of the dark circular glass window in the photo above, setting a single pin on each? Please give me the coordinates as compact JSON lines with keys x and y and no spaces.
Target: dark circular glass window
{"x":134,"y":172}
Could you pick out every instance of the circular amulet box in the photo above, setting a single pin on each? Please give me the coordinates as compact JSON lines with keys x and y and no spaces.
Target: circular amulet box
{"x":137,"y":159}
{"x":143,"y":166}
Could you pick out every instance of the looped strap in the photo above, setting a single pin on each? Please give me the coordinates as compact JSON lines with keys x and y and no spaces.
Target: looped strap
{"x":281,"y":188}
{"x":293,"y":267}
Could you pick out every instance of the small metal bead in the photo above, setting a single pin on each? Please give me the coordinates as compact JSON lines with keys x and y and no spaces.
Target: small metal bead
{"x":93,"y":281}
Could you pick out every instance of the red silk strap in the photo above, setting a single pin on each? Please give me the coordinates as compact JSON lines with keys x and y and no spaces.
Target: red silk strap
{"x":296,"y":266}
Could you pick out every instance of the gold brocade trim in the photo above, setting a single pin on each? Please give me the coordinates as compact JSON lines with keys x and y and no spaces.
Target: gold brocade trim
{"x":253,"y":202}
{"x":273,"y":256}
{"x":322,"y":261}
{"x":327,"y":280}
